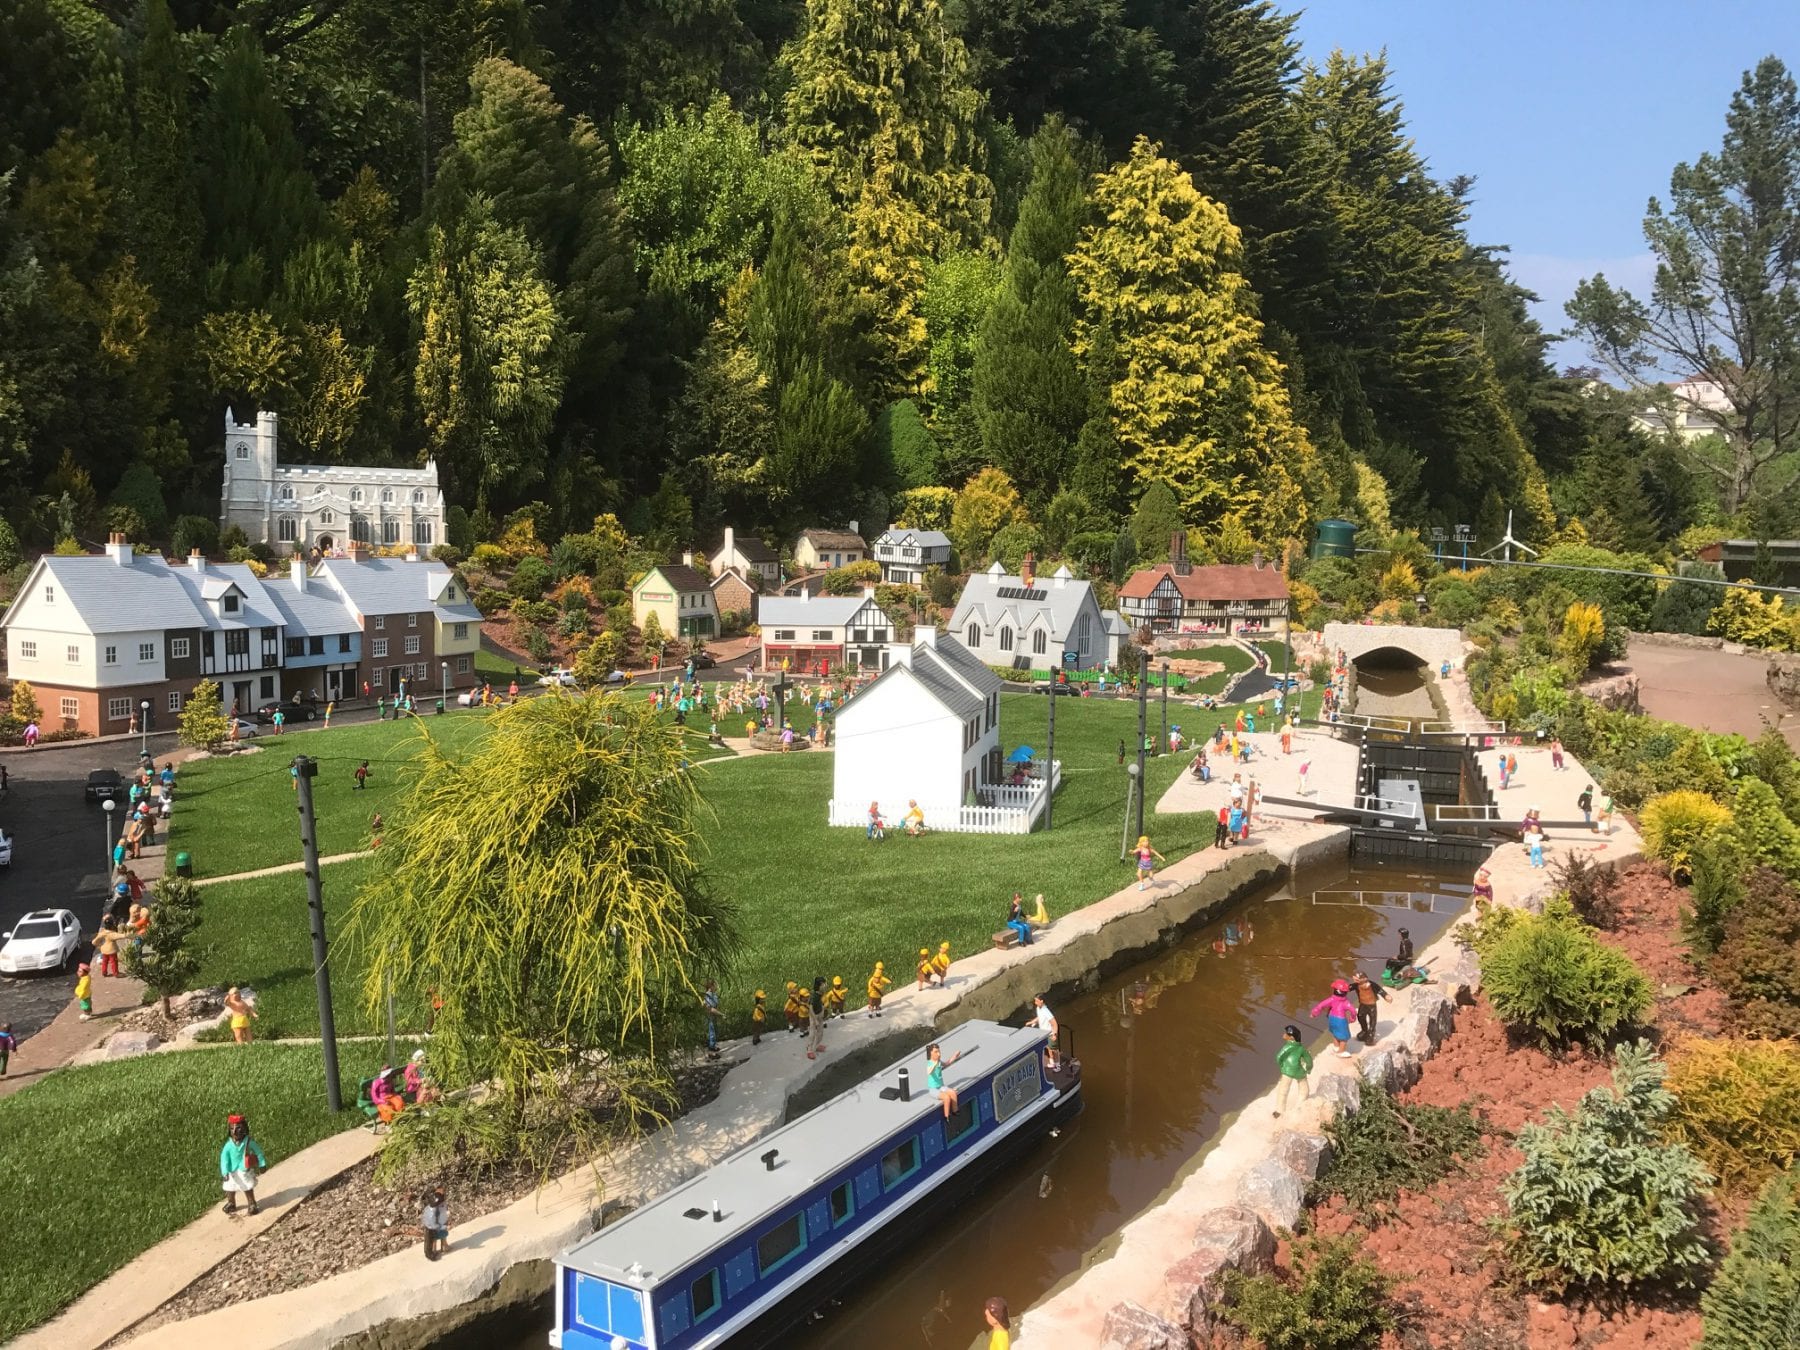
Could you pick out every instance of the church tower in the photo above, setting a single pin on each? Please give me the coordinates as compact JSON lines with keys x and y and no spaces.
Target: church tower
{"x":247,"y":494}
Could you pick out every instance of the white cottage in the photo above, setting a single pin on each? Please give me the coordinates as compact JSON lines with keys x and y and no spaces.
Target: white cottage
{"x":294,"y":508}
{"x":1029,"y":623}
{"x":927,"y":730}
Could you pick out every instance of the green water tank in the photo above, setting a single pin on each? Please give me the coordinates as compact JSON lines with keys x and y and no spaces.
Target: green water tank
{"x":1335,"y":539}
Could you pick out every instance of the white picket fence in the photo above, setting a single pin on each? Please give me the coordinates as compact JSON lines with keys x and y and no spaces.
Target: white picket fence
{"x":1016,"y":811}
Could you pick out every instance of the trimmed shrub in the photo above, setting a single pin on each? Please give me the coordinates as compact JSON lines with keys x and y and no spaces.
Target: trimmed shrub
{"x":1334,"y":1299}
{"x":1601,"y":1198}
{"x":1754,"y":1302}
{"x":537,"y":646}
{"x":531,"y":578}
{"x":1715,"y":888}
{"x":1758,"y":963}
{"x":1768,"y":837}
{"x":1551,"y":979}
{"x":1738,"y":1106}
{"x":1676,"y":824}
{"x":1386,"y":1146}
{"x":490,"y":600}
{"x":1589,"y":890}
{"x":194,"y":532}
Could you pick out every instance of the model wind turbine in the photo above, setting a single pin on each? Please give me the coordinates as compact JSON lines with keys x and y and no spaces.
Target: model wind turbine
{"x":1509,"y":543}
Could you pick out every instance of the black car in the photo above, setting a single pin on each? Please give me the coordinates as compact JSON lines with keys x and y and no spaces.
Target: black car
{"x":703,"y":660}
{"x":1052,"y":687}
{"x":304,"y":711}
{"x":104,"y":785}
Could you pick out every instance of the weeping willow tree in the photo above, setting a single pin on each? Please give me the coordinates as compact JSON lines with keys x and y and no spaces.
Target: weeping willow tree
{"x":545,"y":885}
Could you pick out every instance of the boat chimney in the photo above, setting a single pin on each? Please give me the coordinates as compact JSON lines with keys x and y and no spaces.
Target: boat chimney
{"x":718,"y":1214}
{"x":905,"y":1086}
{"x":768,"y":1159}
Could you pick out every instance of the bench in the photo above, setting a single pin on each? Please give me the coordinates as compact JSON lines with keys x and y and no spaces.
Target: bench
{"x":1005,"y":938}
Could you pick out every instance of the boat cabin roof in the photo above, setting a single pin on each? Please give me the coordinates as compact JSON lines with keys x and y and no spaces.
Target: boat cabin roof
{"x":660,"y":1240}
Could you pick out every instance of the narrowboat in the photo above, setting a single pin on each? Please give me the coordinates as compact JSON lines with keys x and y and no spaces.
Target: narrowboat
{"x":750,"y":1247}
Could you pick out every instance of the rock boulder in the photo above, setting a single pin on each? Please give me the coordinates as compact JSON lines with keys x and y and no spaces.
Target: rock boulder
{"x":1130,"y":1326}
{"x":130,"y":1044}
{"x":1305,"y":1154}
{"x":1238,"y":1234}
{"x":1272,"y":1192}
{"x":1341,"y":1090}
{"x":1393,"y":1063}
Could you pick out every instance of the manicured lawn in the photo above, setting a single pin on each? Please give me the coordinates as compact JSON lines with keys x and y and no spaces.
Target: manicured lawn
{"x":498,"y":669}
{"x":1233,"y":658}
{"x":103,"y":1162}
{"x":1277,"y":652}
{"x":237,"y":814}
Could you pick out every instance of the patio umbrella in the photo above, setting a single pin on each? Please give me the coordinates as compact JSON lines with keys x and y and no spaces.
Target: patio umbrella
{"x":1023,"y":755}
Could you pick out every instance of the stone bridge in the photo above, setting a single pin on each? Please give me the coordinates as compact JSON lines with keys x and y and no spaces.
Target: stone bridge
{"x":1432,"y":646}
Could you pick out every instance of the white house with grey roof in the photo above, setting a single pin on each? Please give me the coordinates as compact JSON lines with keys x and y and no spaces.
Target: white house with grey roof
{"x":420,"y":627}
{"x":928,"y":731}
{"x":299,"y":508}
{"x":1029,"y":623}
{"x":824,"y":632}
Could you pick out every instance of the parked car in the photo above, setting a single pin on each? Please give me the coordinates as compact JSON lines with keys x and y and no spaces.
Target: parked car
{"x":104,"y":785}
{"x":1052,"y":687}
{"x":560,"y":675}
{"x":701,"y":659}
{"x":618,"y":677}
{"x":247,"y":729}
{"x":5,"y":849}
{"x":45,"y":939}
{"x":468,"y":698}
{"x":303,"y":711}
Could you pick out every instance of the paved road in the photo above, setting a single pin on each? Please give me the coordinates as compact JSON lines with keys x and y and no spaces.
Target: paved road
{"x":1714,"y":691}
{"x":60,"y":860}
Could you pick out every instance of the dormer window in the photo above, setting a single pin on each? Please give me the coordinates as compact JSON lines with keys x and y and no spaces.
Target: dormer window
{"x":231,"y":603}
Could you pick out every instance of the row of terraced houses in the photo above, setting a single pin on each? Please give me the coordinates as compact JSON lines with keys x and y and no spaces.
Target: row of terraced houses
{"x":101,"y":636}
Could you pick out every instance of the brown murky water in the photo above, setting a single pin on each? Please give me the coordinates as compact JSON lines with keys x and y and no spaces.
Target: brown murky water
{"x":1393,"y":691}
{"x":1169,"y":1050}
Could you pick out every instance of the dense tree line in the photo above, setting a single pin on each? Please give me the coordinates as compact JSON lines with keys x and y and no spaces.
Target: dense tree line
{"x":767,"y":261}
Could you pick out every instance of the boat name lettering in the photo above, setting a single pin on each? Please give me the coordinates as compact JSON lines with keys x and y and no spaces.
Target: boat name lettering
{"x":1015,"y":1086}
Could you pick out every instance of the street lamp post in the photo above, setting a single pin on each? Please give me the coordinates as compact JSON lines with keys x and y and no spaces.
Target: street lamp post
{"x":1163,"y":747}
{"x":106,"y":823}
{"x":444,"y":680}
{"x":144,"y":728}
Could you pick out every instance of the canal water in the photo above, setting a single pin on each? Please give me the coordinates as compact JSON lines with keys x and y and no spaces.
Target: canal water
{"x":1393,"y":691}
{"x":1170,"y":1050}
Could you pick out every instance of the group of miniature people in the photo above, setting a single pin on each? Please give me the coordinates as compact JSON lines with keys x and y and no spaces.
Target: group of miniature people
{"x":392,"y":1091}
{"x":1355,"y":999}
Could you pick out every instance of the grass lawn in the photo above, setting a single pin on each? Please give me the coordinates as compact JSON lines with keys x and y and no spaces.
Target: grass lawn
{"x":237,"y":814}
{"x":812,"y":900}
{"x":1233,"y":658}
{"x":108,"y":1160}
{"x":500,"y":670}
{"x":1277,"y":652}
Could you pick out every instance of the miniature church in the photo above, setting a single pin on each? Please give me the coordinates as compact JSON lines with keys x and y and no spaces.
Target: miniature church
{"x":300,"y":508}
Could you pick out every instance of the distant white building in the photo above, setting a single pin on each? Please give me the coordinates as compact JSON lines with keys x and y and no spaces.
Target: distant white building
{"x":1032,"y":624}
{"x":824,"y":632}
{"x":1689,"y":408}
{"x":295,"y":508}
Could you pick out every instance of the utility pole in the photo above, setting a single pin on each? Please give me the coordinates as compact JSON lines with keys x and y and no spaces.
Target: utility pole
{"x":305,"y":770}
{"x":1163,"y":745}
{"x":1050,"y":757}
{"x":1143,"y":714}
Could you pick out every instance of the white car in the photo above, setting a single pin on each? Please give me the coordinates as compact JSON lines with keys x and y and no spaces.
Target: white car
{"x":245,"y":730}
{"x":561,"y":675}
{"x":5,"y":849}
{"x":45,"y":939}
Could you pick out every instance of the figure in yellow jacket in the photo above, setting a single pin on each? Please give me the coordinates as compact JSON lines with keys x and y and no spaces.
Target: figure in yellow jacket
{"x":758,"y":1017}
{"x":925,"y":966}
{"x":835,"y":996}
{"x":792,"y":1007}
{"x":879,"y":984}
{"x":940,"y":964}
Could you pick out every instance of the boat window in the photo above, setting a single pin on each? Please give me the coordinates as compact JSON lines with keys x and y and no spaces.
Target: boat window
{"x":899,"y":1164}
{"x":843,"y":1205}
{"x":705,"y":1295}
{"x":781,"y":1244}
{"x":959,"y":1122}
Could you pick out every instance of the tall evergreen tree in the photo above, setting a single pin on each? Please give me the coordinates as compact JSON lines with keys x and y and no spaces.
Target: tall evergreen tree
{"x":881,"y":103}
{"x":1027,"y":392}
{"x":1199,"y":403}
{"x":165,"y":191}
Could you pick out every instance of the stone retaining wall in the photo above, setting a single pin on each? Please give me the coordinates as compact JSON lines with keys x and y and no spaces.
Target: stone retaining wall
{"x":1784,"y":678}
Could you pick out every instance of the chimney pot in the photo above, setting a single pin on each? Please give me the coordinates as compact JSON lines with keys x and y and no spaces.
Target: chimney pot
{"x":854,"y":528}
{"x":1027,"y":566}
{"x":297,"y":572}
{"x":687,"y":557}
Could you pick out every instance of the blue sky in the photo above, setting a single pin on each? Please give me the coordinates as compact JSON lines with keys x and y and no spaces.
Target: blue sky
{"x":1569,"y":113}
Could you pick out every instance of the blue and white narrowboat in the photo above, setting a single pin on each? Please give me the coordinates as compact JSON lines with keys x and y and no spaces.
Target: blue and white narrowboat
{"x":754,"y":1244}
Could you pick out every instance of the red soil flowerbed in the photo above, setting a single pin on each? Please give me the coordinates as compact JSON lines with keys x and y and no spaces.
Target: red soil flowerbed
{"x":1445,"y":1261}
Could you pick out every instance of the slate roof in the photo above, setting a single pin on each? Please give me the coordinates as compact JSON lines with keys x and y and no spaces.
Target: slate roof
{"x":257,"y":610}
{"x":923,"y":538}
{"x":386,"y":585}
{"x":110,"y":598}
{"x":683,"y":578}
{"x":318,"y":611}
{"x":834,"y":539}
{"x":820,"y":611}
{"x":1046,"y":601}
{"x":938,"y":669}
{"x":1221,"y":581}
{"x":750,"y":548}
{"x":1115,"y":622}
{"x":971,"y":667}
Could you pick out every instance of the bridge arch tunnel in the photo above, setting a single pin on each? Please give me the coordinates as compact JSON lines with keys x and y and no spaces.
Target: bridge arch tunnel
{"x":1389,"y":657}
